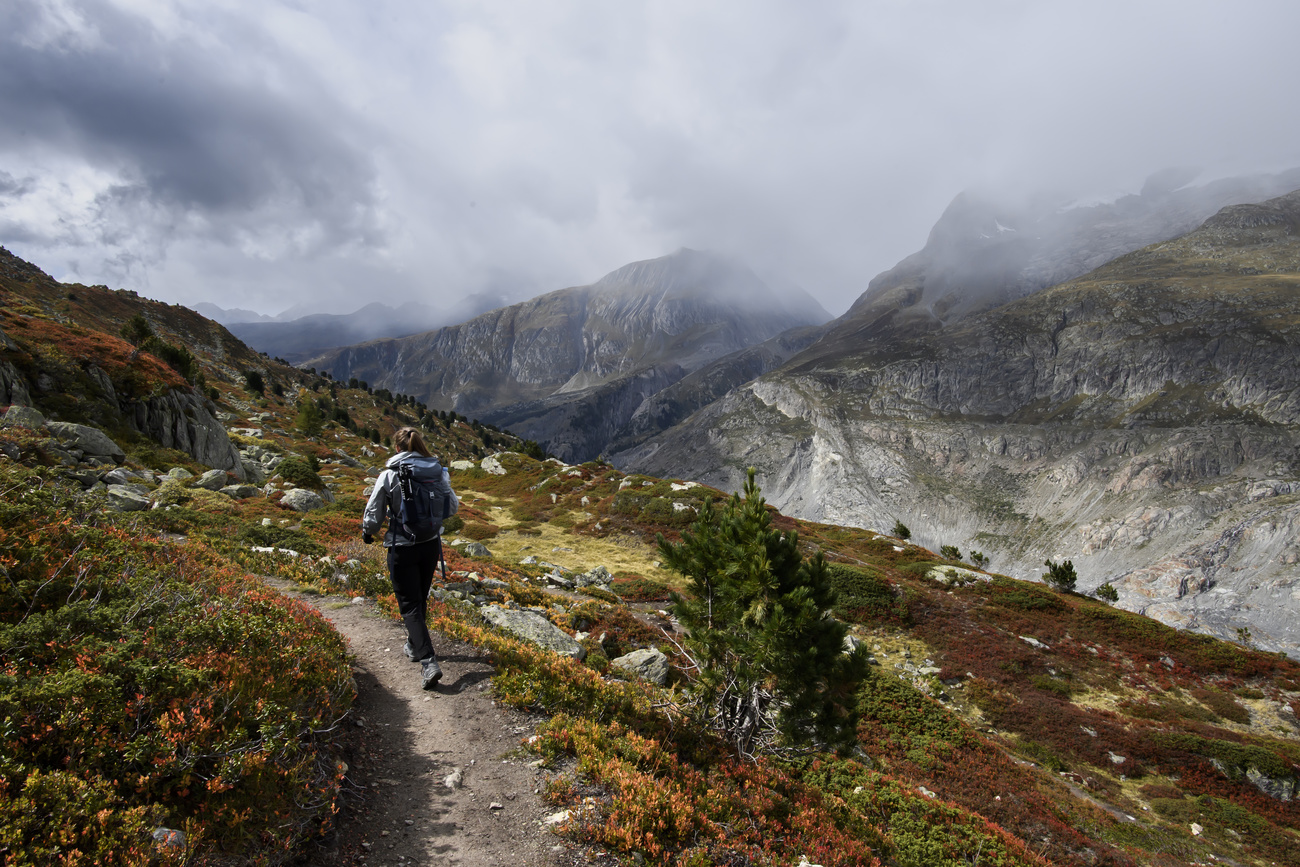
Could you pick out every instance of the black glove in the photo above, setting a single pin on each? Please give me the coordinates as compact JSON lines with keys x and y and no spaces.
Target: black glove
{"x":367,"y":538}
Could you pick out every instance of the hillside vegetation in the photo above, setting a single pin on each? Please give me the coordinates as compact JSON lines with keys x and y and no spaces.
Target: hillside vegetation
{"x":159,"y":703}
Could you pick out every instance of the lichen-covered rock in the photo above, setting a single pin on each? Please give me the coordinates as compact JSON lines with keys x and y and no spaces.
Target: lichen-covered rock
{"x":648,"y":664}
{"x":179,"y":473}
{"x":533,"y":627}
{"x":91,"y":441}
{"x":122,"y":498}
{"x":476,"y":549}
{"x":302,"y":500}
{"x":212,"y":480}
{"x":955,"y":576}
{"x":598,"y":576}
{"x":240,"y":492}
{"x":22,"y":416}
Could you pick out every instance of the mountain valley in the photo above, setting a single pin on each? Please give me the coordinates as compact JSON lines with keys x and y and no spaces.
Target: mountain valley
{"x":163,"y":702}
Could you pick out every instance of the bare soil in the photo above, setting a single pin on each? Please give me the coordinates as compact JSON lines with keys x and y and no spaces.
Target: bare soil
{"x":404,"y":742}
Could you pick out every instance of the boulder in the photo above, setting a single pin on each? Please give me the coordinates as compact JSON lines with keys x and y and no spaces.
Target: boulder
{"x":240,"y":492}
{"x":122,"y":499}
{"x":180,"y":420}
{"x":347,"y":460}
{"x":302,"y":500}
{"x":120,"y":476}
{"x":90,"y":440}
{"x":22,"y":416}
{"x":462,"y":465}
{"x":253,"y":472}
{"x":492,"y":466}
{"x":476,"y":549}
{"x":647,"y":664}
{"x":533,"y":627}
{"x":212,"y":480}
{"x":598,"y":576}
{"x":179,"y":473}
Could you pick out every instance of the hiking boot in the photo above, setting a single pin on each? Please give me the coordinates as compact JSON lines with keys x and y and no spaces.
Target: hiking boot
{"x":430,"y":674}
{"x":410,"y":654}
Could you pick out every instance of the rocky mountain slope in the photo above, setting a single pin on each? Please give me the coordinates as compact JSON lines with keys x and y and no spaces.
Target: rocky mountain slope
{"x":302,"y":337}
{"x":569,"y":368}
{"x":986,"y":250}
{"x":1142,"y":421}
{"x":96,"y":377}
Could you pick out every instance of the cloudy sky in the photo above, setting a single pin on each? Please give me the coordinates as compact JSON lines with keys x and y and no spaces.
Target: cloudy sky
{"x":329,"y":153}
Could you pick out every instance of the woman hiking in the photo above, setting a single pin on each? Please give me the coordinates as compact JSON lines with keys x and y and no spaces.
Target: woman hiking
{"x":413,"y":539}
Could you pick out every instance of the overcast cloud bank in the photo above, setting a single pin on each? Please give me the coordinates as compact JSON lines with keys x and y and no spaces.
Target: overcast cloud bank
{"x":264,"y":154}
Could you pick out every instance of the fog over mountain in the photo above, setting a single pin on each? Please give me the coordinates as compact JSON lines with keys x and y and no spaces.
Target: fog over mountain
{"x":266,"y":154}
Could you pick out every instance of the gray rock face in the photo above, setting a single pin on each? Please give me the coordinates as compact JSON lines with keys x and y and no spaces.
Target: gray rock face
{"x":122,"y":498}
{"x":180,"y":420}
{"x":533,"y":627}
{"x":302,"y":500}
{"x":91,"y":441}
{"x":13,"y":388}
{"x":647,"y":664}
{"x":1142,"y":421}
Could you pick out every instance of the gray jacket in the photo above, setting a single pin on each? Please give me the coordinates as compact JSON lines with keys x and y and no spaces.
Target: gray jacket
{"x":386,"y":498}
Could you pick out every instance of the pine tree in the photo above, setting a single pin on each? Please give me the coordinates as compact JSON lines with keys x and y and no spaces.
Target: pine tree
{"x":771,"y":666}
{"x":309,"y":419}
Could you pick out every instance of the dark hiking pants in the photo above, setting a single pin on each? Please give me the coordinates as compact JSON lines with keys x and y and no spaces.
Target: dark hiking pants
{"x":411,"y":569}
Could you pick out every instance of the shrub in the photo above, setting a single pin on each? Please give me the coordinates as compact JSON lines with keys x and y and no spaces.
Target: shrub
{"x":309,"y":419}
{"x":454,"y":524}
{"x":1061,"y":575}
{"x":950,"y":552}
{"x":861,"y":594}
{"x":273,"y":536}
{"x":636,"y":588}
{"x":901,"y":531}
{"x":253,"y":382}
{"x":756,"y":629}
{"x":1222,"y":704}
{"x":979,"y":559}
{"x":479,"y":531}
{"x":298,"y":471}
{"x":1107,"y":592}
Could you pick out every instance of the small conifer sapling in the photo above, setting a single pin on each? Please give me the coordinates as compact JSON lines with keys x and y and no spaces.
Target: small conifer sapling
{"x":771,"y":666}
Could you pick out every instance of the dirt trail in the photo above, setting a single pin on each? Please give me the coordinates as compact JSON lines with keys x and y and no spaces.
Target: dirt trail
{"x":397,"y":809}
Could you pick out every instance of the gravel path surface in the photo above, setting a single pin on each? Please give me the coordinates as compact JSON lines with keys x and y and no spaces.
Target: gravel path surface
{"x":398,"y":809}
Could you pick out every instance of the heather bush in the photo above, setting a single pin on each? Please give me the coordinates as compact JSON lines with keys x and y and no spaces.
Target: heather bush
{"x":862,"y":595}
{"x":145,"y":685}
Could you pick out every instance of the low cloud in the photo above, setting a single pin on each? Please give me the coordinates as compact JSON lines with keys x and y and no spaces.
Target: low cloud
{"x":261,"y":154}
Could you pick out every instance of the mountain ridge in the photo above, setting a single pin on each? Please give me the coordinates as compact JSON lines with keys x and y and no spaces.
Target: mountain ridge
{"x":649,"y":322}
{"x":1129,"y":411}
